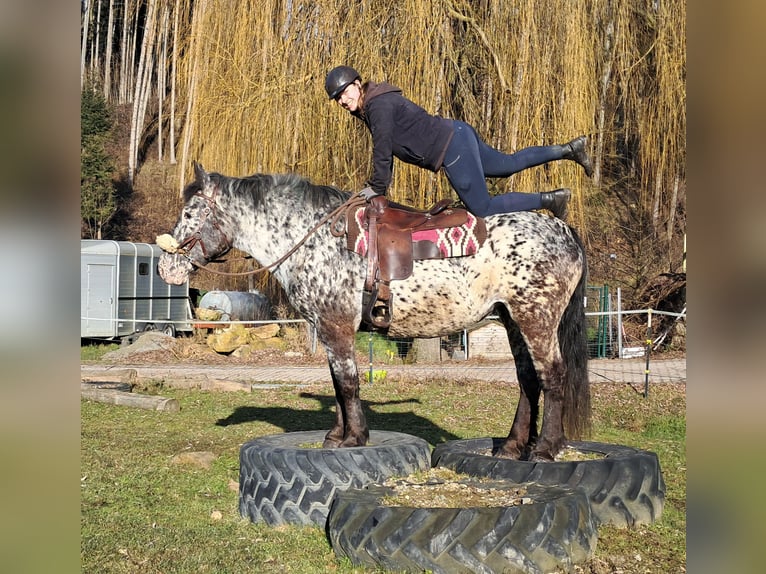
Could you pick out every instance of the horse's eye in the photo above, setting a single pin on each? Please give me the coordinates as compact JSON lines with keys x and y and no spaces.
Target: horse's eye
{"x":187,"y":215}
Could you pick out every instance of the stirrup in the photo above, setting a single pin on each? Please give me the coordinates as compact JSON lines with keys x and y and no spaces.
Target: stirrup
{"x":375,"y":311}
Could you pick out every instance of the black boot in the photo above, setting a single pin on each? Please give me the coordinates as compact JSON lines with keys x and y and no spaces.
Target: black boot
{"x":556,"y":202}
{"x":575,"y":150}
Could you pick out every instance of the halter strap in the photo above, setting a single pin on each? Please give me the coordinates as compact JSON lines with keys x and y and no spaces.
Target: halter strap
{"x":190,"y":241}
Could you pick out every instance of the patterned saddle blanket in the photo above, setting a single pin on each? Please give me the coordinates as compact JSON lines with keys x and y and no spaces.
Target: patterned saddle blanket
{"x":392,"y":237}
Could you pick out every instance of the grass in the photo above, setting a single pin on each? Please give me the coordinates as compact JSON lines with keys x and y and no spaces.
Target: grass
{"x":95,"y":350}
{"x":142,"y":512}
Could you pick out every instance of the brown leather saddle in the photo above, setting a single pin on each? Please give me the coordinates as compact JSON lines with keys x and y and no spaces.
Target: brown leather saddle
{"x":396,"y":236}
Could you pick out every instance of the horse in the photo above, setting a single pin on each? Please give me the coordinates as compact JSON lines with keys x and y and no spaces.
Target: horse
{"x":530,"y":271}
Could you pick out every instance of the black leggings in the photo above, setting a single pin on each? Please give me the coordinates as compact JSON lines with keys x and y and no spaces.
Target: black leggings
{"x":469,"y":161}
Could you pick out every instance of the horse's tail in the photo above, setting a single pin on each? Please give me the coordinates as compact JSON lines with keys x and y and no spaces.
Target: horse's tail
{"x":573,"y":343}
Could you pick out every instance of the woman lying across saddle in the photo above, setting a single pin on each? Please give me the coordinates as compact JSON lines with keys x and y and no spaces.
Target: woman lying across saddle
{"x":403,"y":129}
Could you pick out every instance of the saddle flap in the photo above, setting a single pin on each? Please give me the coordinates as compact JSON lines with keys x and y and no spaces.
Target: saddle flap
{"x":394,"y":253}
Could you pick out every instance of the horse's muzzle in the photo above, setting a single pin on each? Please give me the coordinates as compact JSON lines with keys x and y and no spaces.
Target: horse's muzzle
{"x":174,"y":269}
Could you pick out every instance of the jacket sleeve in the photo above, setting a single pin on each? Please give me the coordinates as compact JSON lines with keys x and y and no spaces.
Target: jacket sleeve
{"x":380,"y":121}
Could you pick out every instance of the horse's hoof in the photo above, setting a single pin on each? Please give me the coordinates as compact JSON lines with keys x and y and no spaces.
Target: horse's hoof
{"x":542,"y":456}
{"x":353,"y":441}
{"x":332,"y":440}
{"x":511,"y":454}
{"x":510,"y":449}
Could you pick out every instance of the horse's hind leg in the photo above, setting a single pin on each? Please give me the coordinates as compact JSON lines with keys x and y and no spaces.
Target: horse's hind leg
{"x":350,"y":427}
{"x":540,"y":367}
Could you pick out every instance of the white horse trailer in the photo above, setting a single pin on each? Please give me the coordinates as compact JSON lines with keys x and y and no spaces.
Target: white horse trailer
{"x":121,"y":292}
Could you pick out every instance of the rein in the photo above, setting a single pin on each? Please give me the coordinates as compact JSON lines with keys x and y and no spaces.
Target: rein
{"x":353,"y":202}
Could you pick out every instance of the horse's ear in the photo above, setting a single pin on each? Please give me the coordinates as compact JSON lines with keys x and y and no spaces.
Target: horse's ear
{"x":200,"y":175}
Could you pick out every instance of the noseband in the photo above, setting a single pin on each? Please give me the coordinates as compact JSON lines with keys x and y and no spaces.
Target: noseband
{"x":191,"y":240}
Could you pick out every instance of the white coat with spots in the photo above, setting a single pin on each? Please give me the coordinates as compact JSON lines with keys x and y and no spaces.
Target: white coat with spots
{"x":531,"y":271}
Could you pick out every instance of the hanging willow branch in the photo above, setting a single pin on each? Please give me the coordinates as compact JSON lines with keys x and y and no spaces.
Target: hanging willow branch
{"x":484,"y":40}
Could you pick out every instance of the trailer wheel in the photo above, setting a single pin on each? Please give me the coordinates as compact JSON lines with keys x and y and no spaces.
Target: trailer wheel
{"x":150,"y":327}
{"x":169,"y":329}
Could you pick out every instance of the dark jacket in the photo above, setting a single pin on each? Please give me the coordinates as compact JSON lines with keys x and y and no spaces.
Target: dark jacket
{"x":403,"y":129}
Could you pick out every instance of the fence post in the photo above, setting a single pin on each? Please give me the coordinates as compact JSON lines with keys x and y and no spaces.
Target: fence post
{"x":619,"y":322}
{"x":370,"y":345}
{"x":648,"y":351}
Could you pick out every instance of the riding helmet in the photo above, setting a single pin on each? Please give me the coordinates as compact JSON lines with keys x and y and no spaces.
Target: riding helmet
{"x":338,"y":78}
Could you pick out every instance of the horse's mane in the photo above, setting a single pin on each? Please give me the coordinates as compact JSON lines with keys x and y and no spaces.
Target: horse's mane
{"x":288,"y":184}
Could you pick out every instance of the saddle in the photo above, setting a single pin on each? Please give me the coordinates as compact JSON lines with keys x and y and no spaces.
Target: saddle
{"x":393,"y":236}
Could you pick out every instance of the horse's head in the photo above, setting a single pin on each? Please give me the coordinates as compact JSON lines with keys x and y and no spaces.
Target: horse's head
{"x":197,"y":237}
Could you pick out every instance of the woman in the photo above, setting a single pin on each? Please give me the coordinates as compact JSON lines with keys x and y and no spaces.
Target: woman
{"x":403,"y":129}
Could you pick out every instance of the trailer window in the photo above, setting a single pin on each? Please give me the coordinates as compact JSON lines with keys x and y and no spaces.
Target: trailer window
{"x":143,"y":269}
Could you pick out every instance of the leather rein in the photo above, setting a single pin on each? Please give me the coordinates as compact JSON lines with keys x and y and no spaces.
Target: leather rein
{"x":189,"y":242}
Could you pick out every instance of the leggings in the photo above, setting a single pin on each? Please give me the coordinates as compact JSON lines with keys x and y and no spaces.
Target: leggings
{"x":468,"y":161}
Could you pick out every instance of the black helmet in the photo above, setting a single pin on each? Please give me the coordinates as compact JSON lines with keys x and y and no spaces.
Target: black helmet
{"x":338,"y":78}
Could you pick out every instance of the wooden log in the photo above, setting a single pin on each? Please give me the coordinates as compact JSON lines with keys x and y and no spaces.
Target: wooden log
{"x":111,"y":375}
{"x":149,"y":402}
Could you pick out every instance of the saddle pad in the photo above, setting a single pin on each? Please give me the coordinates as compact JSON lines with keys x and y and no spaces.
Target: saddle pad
{"x":458,"y":241}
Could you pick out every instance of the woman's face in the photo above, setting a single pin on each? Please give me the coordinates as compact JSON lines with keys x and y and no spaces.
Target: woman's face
{"x":349,"y":98}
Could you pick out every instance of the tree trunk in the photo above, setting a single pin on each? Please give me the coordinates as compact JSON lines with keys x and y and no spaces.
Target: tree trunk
{"x":199,"y":12}
{"x":173,"y":79}
{"x":143,"y":88}
{"x":606,"y":79}
{"x":96,"y":44}
{"x":672,"y":215}
{"x":108,"y":58}
{"x":162,"y":76}
{"x":84,"y":43}
{"x":123,"y":90}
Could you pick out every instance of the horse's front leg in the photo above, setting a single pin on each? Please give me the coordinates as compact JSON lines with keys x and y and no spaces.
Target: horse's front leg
{"x":334,"y":436}
{"x":350,"y":428}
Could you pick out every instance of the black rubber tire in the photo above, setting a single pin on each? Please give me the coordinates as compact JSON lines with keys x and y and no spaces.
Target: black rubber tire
{"x":554,"y":530}
{"x":625,"y":487}
{"x":282,"y":483}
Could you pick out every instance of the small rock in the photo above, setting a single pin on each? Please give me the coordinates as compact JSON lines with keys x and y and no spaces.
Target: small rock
{"x":265,"y":331}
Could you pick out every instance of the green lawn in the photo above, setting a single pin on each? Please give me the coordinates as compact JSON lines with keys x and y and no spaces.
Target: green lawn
{"x":142,"y":512}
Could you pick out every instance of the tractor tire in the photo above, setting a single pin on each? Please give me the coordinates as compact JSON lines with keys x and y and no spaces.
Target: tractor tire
{"x":283,"y":480}
{"x":625,"y":487}
{"x":553,"y":530}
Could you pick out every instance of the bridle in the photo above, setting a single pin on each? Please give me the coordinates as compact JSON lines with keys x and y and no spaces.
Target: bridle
{"x":190,"y":241}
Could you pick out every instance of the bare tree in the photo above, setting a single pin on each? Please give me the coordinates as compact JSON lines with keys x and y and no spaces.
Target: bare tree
{"x":109,"y":49}
{"x":143,"y":88}
{"x":84,"y":40}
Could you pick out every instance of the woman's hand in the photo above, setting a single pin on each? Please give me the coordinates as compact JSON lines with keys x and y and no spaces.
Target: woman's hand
{"x":368,"y":193}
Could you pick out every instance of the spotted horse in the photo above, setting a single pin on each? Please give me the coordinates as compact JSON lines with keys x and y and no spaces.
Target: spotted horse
{"x":530,"y":272}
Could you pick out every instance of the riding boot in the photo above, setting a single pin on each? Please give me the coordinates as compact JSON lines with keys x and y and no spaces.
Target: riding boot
{"x":575,"y":150}
{"x":556,"y":202}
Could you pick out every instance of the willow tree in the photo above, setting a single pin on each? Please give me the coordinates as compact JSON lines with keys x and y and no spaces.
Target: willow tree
{"x":245,"y":82}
